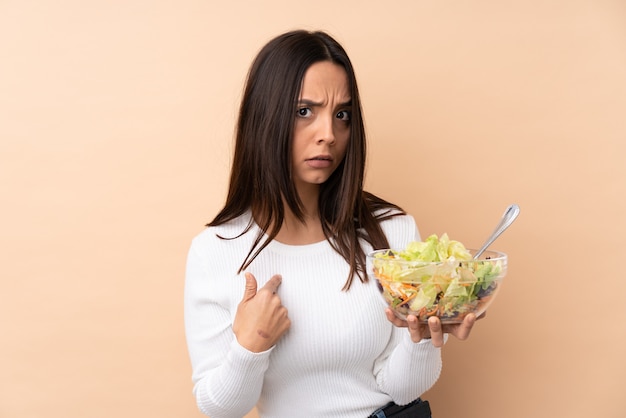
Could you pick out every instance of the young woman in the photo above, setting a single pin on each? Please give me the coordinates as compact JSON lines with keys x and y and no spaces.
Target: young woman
{"x":279,"y":312}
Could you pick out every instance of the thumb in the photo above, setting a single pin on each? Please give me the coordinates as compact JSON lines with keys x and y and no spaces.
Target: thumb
{"x":251,"y":286}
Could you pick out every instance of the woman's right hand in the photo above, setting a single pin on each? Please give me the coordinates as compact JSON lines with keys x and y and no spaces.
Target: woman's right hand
{"x":261,"y":318}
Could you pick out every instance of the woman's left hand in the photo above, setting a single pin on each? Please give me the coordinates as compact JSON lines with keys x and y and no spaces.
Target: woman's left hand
{"x":434,"y":329}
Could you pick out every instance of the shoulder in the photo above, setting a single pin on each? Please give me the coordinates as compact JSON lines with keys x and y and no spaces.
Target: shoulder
{"x":399,"y":228}
{"x":217,"y":237}
{"x":218,"y":251}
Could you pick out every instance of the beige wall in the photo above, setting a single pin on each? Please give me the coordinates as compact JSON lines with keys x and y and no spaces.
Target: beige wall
{"x":116,"y":124}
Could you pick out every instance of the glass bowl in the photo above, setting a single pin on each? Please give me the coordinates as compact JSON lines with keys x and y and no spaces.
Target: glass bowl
{"x":448,"y":289}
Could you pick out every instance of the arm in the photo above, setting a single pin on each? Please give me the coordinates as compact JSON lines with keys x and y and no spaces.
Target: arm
{"x":415,"y":354}
{"x":406,"y":370}
{"x":418,"y":355}
{"x":227,"y":377}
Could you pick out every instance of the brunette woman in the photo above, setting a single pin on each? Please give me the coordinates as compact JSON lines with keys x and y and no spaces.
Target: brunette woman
{"x":279,"y":312}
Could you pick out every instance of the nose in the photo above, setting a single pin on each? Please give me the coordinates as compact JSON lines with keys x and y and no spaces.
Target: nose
{"x":326,"y":130}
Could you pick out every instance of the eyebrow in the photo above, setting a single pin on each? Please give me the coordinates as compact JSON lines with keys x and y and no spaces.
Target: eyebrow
{"x":314,"y":103}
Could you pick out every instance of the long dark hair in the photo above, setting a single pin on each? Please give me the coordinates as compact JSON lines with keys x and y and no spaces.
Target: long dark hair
{"x":260,"y":178}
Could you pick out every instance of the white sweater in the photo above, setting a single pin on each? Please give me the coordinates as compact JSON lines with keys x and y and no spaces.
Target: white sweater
{"x":340,"y":358}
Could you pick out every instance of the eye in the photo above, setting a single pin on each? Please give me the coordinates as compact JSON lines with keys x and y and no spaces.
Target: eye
{"x":343,"y":115}
{"x":304,"y":112}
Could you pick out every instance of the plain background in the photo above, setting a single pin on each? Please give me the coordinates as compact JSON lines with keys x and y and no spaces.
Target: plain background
{"x":116,"y":123}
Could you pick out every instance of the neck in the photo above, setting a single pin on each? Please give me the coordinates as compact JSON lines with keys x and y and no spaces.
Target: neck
{"x":310,"y":201}
{"x":307,"y":231}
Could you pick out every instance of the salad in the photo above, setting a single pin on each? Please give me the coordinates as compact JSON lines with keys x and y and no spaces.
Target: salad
{"x":436,"y":277}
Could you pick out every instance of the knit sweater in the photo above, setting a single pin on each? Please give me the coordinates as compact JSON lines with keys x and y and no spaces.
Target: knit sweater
{"x":341,"y":357}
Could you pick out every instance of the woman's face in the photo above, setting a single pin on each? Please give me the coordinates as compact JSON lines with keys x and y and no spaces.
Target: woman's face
{"x":322,"y":124}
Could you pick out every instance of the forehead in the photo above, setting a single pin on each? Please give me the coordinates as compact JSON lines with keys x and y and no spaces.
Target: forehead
{"x":325,"y":77}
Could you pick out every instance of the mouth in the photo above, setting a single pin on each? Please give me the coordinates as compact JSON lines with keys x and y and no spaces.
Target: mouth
{"x":320,"y":162}
{"x":321,"y":158}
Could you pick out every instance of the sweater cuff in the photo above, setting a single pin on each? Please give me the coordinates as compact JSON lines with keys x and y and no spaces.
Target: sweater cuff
{"x":240,"y":380}
{"x":242,"y":351}
{"x":250,"y":361}
{"x":410,"y":345}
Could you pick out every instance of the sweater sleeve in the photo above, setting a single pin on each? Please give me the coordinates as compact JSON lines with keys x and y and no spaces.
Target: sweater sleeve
{"x":227,"y":377}
{"x":405,"y":370}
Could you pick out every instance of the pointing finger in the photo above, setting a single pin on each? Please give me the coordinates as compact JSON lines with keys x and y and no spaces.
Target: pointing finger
{"x":273,"y":283}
